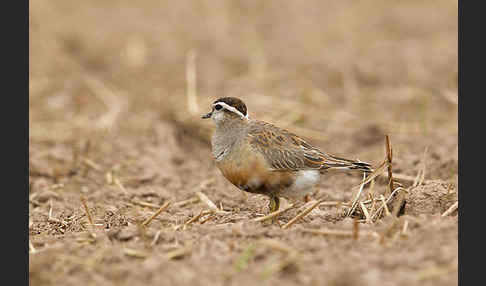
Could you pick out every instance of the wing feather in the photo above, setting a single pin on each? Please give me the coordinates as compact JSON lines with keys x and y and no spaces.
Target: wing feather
{"x":285,"y":151}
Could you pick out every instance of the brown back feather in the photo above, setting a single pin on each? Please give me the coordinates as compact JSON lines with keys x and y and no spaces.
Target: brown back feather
{"x":286,"y":151}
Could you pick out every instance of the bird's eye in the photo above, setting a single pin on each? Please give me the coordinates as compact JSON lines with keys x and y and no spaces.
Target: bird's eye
{"x":218,"y":107}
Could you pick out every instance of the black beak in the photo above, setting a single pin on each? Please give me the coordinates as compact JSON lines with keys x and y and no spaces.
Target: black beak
{"x":206,"y":116}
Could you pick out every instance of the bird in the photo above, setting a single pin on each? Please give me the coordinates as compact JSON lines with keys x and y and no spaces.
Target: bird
{"x":261,"y":158}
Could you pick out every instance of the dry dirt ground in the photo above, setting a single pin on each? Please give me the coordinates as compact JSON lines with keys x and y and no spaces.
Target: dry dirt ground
{"x":116,"y":91}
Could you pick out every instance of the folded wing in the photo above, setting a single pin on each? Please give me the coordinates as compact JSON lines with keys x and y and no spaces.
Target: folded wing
{"x":286,"y":151}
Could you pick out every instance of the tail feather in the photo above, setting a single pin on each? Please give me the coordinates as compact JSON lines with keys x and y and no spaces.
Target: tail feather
{"x":334,"y":162}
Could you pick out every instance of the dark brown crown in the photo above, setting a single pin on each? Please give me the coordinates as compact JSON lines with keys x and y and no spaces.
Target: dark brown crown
{"x":234,"y":102}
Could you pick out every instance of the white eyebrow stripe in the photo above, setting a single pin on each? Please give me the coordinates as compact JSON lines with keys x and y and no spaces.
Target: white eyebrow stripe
{"x":231,"y":108}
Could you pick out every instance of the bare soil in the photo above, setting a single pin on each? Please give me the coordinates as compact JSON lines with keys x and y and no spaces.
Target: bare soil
{"x":115,"y":122}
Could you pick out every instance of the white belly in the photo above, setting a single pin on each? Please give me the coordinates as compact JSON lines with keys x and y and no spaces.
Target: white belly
{"x":303,"y":184}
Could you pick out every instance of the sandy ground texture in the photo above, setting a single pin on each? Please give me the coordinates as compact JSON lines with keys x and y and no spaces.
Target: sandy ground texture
{"x":116,"y":93}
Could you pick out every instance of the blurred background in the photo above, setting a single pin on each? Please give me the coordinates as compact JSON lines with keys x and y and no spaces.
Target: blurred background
{"x":346,"y":68}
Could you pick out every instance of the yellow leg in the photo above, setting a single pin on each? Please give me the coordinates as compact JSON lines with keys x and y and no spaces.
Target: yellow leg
{"x":274,"y":205}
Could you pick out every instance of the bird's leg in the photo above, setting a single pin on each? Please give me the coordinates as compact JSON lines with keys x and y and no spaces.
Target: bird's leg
{"x":274,"y":205}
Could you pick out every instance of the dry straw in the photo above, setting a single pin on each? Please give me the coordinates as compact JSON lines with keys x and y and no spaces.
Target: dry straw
{"x":273,"y":214}
{"x":405,"y":227}
{"x":51,"y":218}
{"x":191,"y":81}
{"x":365,"y":211}
{"x":338,"y":232}
{"x":134,"y":253}
{"x":91,"y":164}
{"x":178,"y":253}
{"x":207,"y":201}
{"x":389,"y":156}
{"x":91,"y":223}
{"x":83,"y":201}
{"x":194,"y":219}
{"x":210,"y":203}
{"x":187,"y":202}
{"x":394,"y":191}
{"x":302,"y":214}
{"x":31,"y":247}
{"x":162,"y":208}
{"x":145,"y":204}
{"x":156,"y":238}
{"x":451,"y":209}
